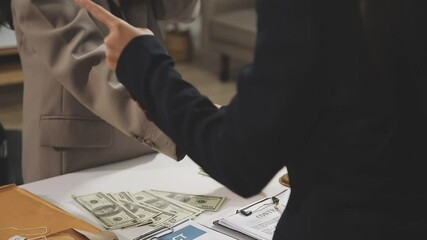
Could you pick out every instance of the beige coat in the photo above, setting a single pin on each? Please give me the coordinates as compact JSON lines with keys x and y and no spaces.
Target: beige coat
{"x":71,"y":100}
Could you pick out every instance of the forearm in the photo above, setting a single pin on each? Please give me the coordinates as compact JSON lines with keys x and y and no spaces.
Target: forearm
{"x":211,"y":137}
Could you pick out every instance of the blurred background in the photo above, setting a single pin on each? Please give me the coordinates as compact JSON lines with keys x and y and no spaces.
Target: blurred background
{"x":209,"y":53}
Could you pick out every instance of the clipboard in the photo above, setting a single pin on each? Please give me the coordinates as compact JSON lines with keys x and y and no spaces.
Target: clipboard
{"x":259,"y":219}
{"x":23,"y":213}
{"x":186,"y":229}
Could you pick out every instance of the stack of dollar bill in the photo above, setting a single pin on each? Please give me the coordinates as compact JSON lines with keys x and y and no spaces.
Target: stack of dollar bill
{"x":149,"y":207}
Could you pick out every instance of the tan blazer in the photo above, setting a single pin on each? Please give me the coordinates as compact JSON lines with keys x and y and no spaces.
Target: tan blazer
{"x":71,"y":100}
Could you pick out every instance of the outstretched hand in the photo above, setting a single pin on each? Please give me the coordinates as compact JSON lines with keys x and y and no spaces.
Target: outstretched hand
{"x":121,"y":33}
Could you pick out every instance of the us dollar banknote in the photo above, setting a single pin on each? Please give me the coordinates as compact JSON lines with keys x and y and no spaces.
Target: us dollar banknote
{"x":180,"y":211}
{"x":145,"y":213}
{"x":110,"y":214}
{"x":204,"y":202}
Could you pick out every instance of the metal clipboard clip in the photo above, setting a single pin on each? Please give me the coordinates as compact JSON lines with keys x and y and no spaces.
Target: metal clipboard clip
{"x":154,"y":234}
{"x":274,"y":201}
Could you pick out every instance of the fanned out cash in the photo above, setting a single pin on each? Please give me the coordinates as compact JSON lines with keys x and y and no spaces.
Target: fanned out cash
{"x":153,"y":208}
{"x":181,"y":211}
{"x":107,"y":211}
{"x":145,"y":214}
{"x":153,"y":216}
{"x":204,"y":202}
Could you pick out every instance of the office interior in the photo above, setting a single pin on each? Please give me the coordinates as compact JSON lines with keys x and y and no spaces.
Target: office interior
{"x":209,"y":52}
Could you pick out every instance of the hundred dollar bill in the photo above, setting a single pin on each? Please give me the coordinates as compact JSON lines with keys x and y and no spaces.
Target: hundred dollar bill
{"x":204,"y":202}
{"x":110,"y":214}
{"x":161,"y":219}
{"x":146,"y":213}
{"x":181,"y":212}
{"x":125,"y":196}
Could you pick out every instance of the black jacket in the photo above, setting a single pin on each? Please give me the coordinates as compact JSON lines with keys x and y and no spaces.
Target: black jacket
{"x":353,"y":140}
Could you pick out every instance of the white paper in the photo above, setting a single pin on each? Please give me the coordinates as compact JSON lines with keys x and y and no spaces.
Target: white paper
{"x":262,"y":222}
{"x":105,"y":235}
{"x":7,"y":38}
{"x":189,"y":230}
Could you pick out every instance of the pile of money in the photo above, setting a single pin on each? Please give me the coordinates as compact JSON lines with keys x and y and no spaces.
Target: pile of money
{"x":153,"y":208}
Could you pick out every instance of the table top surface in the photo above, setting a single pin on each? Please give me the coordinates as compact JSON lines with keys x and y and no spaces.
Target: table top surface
{"x":154,"y":171}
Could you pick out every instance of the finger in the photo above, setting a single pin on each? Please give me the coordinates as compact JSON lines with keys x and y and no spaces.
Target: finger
{"x":112,"y":56}
{"x":98,"y":12}
{"x":111,"y":63}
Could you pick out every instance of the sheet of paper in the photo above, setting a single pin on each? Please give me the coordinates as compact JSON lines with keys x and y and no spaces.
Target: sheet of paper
{"x":262,"y":218}
{"x":190,"y":230}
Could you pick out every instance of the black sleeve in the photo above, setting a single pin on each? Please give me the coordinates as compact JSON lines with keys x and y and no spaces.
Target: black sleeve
{"x":245,"y":144}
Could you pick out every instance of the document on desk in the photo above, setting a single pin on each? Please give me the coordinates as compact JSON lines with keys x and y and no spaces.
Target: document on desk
{"x":188,"y":230}
{"x":259,"y":219}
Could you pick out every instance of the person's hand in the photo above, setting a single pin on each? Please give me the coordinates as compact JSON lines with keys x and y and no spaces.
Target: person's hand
{"x":121,"y":33}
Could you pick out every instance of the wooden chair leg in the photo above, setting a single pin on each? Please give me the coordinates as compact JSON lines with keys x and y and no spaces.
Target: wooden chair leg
{"x":225,"y":68}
